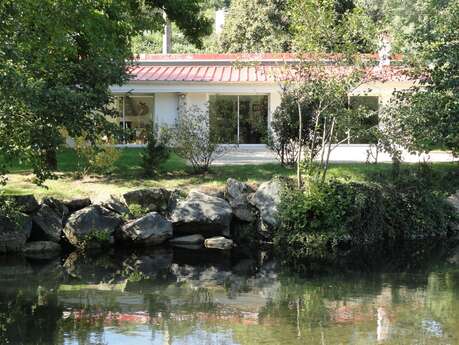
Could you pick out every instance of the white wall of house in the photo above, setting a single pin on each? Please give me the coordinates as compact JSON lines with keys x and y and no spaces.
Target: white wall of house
{"x":166,"y":108}
{"x":171,"y":97}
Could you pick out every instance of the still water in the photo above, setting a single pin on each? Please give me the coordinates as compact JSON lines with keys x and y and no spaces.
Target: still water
{"x":191,"y":297}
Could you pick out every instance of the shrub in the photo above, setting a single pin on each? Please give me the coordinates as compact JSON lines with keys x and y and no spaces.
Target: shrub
{"x":137,"y":211}
{"x":98,"y":157}
{"x":330,"y":218}
{"x":156,"y":152}
{"x":283,"y":139}
{"x":194,"y":141}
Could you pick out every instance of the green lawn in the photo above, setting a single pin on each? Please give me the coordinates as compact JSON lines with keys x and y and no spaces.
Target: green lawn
{"x":175,"y":173}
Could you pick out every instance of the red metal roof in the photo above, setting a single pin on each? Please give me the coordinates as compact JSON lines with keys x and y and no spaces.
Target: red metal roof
{"x":237,"y":68}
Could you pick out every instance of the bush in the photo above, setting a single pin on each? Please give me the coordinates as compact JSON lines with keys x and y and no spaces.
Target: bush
{"x":157,"y":151}
{"x":334,"y":217}
{"x":193,"y":140}
{"x":284,"y":137}
{"x":99,"y":157}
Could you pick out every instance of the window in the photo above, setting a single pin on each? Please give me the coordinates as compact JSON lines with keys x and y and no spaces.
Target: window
{"x":239,"y":119}
{"x":135,"y":113}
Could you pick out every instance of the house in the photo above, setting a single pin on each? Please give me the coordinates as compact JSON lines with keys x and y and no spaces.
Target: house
{"x":240,"y":92}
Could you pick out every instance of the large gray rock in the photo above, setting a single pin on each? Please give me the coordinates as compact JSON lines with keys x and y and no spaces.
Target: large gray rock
{"x":151,"y":199}
{"x":14,"y":236}
{"x":187,"y":240}
{"x":235,"y":189}
{"x":237,"y":194}
{"x":453,"y":200}
{"x":26,"y":203}
{"x":116,"y":205}
{"x":93,"y":226}
{"x":218,"y":242}
{"x":58,"y":206}
{"x":151,"y":229}
{"x":49,"y":222}
{"x":203,"y":214}
{"x":267,"y":199}
{"x":77,"y":204}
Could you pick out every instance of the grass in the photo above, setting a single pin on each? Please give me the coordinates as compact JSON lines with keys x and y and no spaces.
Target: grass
{"x":175,"y":173}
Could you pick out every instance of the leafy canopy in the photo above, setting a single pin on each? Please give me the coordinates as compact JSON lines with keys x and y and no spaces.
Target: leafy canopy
{"x":57,"y":61}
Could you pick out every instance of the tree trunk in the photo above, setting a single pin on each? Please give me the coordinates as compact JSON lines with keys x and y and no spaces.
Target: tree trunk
{"x":329,"y":149}
{"x":300,"y":140}
{"x":51,"y":158}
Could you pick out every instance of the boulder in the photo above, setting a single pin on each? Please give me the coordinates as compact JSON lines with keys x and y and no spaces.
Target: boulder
{"x":151,"y":229}
{"x":237,"y":194}
{"x":14,"y":236}
{"x":58,"y":206}
{"x":116,"y":205}
{"x":26,"y":203}
{"x":453,"y":200}
{"x":219,"y":242}
{"x":174,"y":198}
{"x":77,"y":204}
{"x":50,"y":223}
{"x":151,"y":199}
{"x":92,"y":226}
{"x":217,"y":192}
{"x":235,"y":189}
{"x":203,"y":214}
{"x":42,"y":250}
{"x":188,"y":240}
{"x":267,"y":199}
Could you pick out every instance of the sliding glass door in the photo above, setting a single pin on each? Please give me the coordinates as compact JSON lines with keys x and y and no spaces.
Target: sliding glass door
{"x":239,"y":119}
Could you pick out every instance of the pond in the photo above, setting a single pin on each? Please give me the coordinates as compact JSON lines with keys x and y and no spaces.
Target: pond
{"x":178,"y":296}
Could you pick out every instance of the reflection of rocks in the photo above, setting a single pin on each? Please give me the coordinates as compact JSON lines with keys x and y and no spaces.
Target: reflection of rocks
{"x":93,"y":268}
{"x":153,"y":265}
{"x":42,"y":250}
{"x":151,"y":229}
{"x":196,"y":239}
{"x":92,"y":226}
{"x":14,"y":267}
{"x":12,"y":236}
{"x":201,"y":213}
{"x":49,"y":222}
{"x":151,"y":199}
{"x":219,"y":242}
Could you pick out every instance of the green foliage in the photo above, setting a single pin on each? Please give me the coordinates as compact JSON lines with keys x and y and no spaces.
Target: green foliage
{"x":256,"y":26}
{"x":99,"y":157}
{"x":325,"y":220}
{"x":137,"y":211}
{"x":11,"y":211}
{"x":57,"y":61}
{"x":157,"y":151}
{"x":285,"y":126}
{"x":427,"y":116}
{"x":331,"y":26}
{"x":96,"y":238}
{"x":193,"y":141}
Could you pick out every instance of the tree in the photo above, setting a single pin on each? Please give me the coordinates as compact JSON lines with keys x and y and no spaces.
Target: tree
{"x":257,"y":26}
{"x":57,"y":61}
{"x":331,"y":26}
{"x":428,"y":114}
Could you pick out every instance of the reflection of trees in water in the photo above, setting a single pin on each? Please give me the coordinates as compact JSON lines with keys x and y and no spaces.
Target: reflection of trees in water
{"x":29,"y":317}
